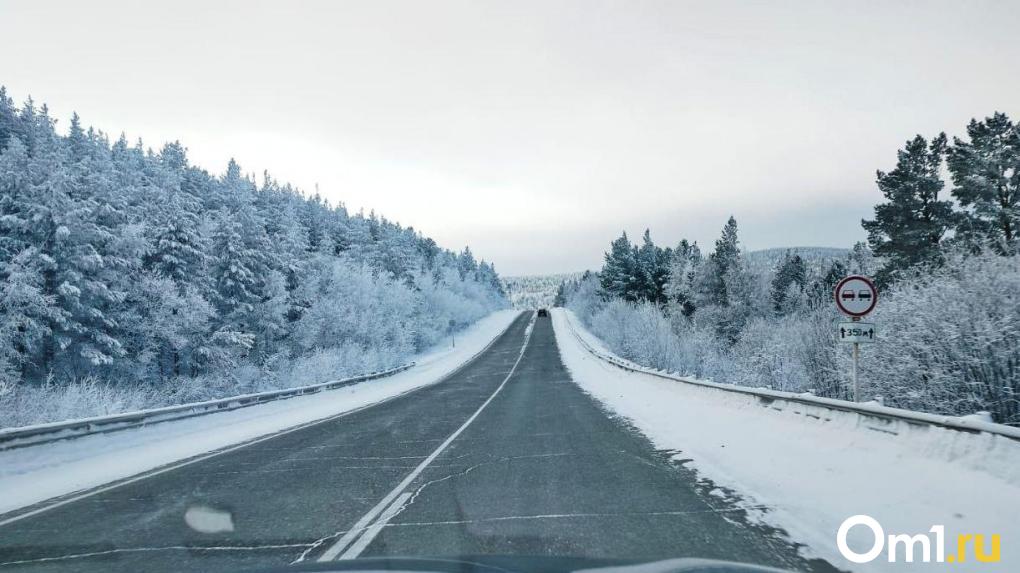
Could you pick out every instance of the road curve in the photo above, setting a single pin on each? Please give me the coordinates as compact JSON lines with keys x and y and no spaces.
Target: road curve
{"x":506,"y":456}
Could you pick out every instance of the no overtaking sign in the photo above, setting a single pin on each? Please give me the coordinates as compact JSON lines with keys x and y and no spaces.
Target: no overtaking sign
{"x":856,"y":296}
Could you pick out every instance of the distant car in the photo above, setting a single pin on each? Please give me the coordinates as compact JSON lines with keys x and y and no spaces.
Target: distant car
{"x":543,"y":312}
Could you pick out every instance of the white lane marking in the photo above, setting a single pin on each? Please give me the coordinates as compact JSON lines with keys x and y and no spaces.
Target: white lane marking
{"x":363,"y":523}
{"x":370,"y":534}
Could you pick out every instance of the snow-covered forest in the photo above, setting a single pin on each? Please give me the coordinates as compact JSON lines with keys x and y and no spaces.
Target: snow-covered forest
{"x":948,"y":315}
{"x":130,"y":278}
{"x":535,"y":291}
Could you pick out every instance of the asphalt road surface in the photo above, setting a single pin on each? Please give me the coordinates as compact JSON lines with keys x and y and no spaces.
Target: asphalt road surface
{"x":505,"y":457}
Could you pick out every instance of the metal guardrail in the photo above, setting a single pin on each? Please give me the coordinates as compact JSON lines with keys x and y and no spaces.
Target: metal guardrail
{"x":769,"y":397}
{"x":41,"y":433}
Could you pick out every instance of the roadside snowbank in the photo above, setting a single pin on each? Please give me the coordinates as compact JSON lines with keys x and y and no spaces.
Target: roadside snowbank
{"x":37,"y":473}
{"x":811,"y":474}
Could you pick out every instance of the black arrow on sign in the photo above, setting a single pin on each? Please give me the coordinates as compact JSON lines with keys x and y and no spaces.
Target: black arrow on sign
{"x":842,"y":332}
{"x":871,"y":333}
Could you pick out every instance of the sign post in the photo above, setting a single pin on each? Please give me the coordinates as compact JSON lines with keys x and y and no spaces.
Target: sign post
{"x":856,"y":296}
{"x":857,"y":380}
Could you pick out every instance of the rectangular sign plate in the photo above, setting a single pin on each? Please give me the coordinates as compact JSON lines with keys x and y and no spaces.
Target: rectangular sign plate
{"x":856,"y":331}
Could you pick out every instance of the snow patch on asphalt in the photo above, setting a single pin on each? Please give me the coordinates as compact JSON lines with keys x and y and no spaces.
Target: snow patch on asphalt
{"x":811,"y":474}
{"x":37,"y":473}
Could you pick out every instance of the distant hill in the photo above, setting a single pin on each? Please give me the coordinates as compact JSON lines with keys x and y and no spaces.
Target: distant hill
{"x":806,"y":253}
{"x":765,"y":260}
{"x":534,"y":291}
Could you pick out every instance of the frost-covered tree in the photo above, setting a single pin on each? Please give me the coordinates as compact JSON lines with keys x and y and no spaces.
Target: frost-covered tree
{"x":26,"y":314}
{"x":234,"y":272}
{"x":821,"y":290}
{"x":8,"y":118}
{"x":618,"y":277}
{"x":466,"y":263}
{"x":176,"y":249}
{"x":53,"y":207}
{"x":183,"y":343}
{"x":724,"y":261}
{"x":176,"y":244}
{"x":680,"y":289}
{"x":986,"y":175}
{"x":950,"y":342}
{"x":652,"y":270}
{"x":909,"y":226}
{"x":788,"y":284}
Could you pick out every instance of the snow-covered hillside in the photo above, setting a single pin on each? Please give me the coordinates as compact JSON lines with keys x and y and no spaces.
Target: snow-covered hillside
{"x":131,"y":278}
{"x":817,"y":258}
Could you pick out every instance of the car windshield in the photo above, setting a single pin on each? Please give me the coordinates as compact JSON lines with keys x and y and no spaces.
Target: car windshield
{"x":499,"y":287}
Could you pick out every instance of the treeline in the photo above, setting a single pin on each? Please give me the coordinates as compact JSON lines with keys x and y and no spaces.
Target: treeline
{"x":684,"y":280}
{"x":534,"y":291}
{"x":916,"y":223}
{"x":948,"y":270}
{"x":134,"y":267}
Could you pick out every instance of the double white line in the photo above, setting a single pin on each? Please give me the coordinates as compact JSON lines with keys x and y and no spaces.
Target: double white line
{"x":368,"y":527}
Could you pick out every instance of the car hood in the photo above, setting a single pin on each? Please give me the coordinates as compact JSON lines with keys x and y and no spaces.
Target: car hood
{"x":526,"y":564}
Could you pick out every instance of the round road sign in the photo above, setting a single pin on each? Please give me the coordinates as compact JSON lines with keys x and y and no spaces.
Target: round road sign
{"x":856,"y":295}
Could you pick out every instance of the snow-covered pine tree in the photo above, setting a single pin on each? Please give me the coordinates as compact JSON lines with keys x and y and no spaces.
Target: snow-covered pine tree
{"x":466,"y":263}
{"x":788,"y":284}
{"x":618,"y":277}
{"x":908,"y":228}
{"x":233,"y":272}
{"x":820,"y":292}
{"x":176,"y":248}
{"x":652,"y":270}
{"x":8,"y":118}
{"x":986,"y":175}
{"x":724,"y":259}
{"x":679,"y":289}
{"x":26,"y":314}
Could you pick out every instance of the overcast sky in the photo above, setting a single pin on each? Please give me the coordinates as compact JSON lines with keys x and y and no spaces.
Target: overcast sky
{"x":536,"y":131}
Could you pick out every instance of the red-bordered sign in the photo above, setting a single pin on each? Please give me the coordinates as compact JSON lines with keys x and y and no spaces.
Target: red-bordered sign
{"x":856,"y":295}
